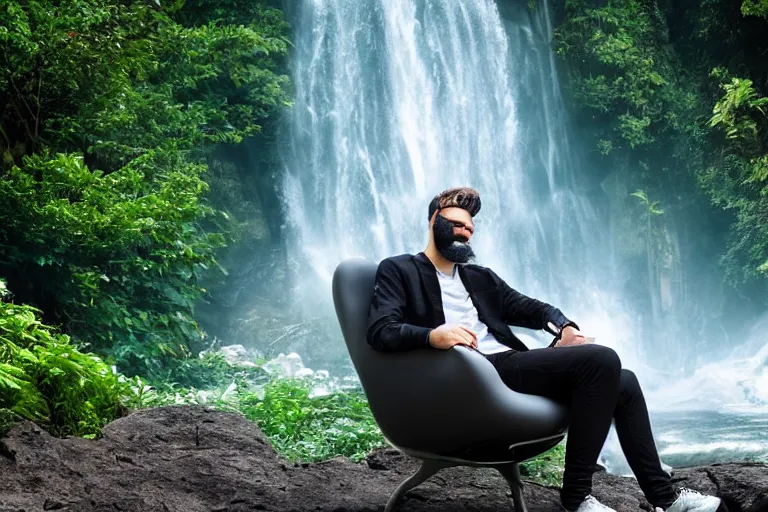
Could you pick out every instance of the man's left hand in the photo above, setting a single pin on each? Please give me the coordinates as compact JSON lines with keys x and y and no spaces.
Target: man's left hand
{"x":571,"y":336}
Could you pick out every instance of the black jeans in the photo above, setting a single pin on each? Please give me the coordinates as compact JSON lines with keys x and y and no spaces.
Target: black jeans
{"x":588,"y":379}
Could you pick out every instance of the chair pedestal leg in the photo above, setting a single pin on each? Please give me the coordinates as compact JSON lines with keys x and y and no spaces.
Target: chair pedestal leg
{"x":427,"y":469}
{"x":511,"y":472}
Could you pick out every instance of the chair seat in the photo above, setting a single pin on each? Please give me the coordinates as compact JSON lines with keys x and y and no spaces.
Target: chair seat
{"x":488,"y":453}
{"x":495,"y":452}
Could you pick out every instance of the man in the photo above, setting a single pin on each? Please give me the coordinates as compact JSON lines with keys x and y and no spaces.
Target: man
{"x":436,"y":300}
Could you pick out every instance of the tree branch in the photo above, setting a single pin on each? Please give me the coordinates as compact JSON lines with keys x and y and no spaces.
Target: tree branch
{"x":10,"y":77}
{"x":37,"y":99}
{"x":21,"y":96}
{"x":5,"y":136}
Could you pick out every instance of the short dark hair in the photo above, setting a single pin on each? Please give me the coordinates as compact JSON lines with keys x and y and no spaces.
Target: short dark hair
{"x":465,"y":198}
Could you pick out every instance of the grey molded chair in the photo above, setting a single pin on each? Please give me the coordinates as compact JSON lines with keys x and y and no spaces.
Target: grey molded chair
{"x":445,"y":408}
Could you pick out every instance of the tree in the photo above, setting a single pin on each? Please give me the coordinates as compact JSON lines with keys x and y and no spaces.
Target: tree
{"x":755,"y":8}
{"x":108,"y":113}
{"x":741,"y":183}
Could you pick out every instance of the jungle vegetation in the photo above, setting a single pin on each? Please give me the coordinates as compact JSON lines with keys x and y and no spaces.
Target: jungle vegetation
{"x":674,"y":94}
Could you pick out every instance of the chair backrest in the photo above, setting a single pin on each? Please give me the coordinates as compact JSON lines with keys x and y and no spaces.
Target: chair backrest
{"x":432,"y":400}
{"x":353,"y":283}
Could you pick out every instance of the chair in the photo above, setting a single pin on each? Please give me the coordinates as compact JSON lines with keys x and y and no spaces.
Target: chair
{"x":445,"y":408}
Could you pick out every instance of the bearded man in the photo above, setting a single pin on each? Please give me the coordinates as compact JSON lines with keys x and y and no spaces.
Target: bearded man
{"x":436,"y":300}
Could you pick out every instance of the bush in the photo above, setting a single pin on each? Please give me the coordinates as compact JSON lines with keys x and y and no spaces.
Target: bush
{"x":117,"y":256}
{"x":312,"y":429}
{"x":45,"y":379}
{"x":209,"y":371}
{"x":547,"y":468}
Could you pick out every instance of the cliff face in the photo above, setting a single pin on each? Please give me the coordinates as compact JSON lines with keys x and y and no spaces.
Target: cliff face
{"x":195,"y":459}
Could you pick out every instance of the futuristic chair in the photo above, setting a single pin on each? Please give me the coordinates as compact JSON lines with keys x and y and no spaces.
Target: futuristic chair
{"x":443,"y":407}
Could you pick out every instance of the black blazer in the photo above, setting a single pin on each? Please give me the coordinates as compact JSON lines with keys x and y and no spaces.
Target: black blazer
{"x":407,"y":305}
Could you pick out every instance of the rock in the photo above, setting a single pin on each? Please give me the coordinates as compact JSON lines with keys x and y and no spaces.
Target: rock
{"x":285,"y":365}
{"x":199,"y":459}
{"x":234,"y":354}
{"x":304,"y":373}
{"x":238,"y":355}
{"x":743,"y":487}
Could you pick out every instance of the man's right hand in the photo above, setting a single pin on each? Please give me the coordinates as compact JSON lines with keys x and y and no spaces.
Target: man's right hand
{"x":571,"y":337}
{"x":448,"y":335}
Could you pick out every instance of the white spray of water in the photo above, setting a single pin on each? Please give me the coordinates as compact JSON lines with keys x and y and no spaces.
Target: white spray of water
{"x":737,"y":384}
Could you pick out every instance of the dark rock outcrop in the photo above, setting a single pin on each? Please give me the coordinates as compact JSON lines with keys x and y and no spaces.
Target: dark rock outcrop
{"x":196,"y":459}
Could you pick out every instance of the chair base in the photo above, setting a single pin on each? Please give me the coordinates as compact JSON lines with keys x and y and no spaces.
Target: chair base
{"x":429,"y":467}
{"x":511,"y":472}
{"x":432,"y":463}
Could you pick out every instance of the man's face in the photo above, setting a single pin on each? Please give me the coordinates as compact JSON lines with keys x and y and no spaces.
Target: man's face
{"x":452,"y":229}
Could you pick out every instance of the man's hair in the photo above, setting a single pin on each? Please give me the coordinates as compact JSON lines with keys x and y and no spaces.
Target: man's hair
{"x":459,"y":197}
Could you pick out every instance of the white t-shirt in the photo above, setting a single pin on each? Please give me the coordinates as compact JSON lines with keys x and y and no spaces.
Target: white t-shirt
{"x":459,"y":310}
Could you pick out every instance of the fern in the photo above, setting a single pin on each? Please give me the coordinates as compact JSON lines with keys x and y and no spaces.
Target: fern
{"x":44,"y":378}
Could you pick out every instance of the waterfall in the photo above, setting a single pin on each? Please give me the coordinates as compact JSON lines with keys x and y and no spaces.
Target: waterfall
{"x":397,"y":100}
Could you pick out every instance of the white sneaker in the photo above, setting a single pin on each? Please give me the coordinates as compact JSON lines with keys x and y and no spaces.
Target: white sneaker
{"x":590,"y":504}
{"x":692,"y":501}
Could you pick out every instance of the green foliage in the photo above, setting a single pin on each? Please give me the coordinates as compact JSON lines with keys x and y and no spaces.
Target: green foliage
{"x":621,"y":71}
{"x":547,"y":468}
{"x":732,"y":111}
{"x":264,"y":16}
{"x":121,"y":251}
{"x":645,"y":77}
{"x":740,"y":182}
{"x":44,"y":378}
{"x":209,"y":371}
{"x":755,"y":8}
{"x":313,"y":429}
{"x":108,"y":113}
{"x":651,"y":207}
{"x":211,"y":85}
{"x":63,"y":60}
{"x":116,"y":79}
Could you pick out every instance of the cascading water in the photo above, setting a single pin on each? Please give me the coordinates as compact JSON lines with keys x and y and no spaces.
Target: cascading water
{"x":397,"y":100}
